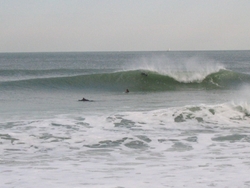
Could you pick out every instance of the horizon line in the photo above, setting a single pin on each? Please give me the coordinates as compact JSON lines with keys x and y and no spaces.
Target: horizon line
{"x":110,"y":51}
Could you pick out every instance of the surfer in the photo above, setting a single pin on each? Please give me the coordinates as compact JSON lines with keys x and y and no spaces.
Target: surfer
{"x":144,"y":74}
{"x":83,"y":99}
{"x":127,"y":91}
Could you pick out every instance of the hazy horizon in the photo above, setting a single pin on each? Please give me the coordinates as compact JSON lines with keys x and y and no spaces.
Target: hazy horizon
{"x":109,"y":25}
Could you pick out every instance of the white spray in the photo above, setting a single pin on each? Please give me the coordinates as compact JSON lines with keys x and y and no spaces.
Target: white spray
{"x":186,"y":70}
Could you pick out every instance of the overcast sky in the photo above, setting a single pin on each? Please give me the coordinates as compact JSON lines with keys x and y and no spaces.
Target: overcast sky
{"x":123,"y":25}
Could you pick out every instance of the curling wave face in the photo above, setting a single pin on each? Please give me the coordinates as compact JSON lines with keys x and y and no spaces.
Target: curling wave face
{"x":136,"y":81}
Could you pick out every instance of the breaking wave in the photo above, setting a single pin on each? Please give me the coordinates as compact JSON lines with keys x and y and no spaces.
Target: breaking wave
{"x":137,"y":80}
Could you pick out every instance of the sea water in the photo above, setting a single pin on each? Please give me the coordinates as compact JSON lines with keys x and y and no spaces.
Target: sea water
{"x":184,"y":123}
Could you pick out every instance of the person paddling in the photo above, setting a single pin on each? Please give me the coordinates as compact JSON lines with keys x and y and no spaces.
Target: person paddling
{"x":83,"y":99}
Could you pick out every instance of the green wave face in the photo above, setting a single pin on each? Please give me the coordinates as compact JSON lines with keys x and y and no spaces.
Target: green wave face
{"x":137,"y":80}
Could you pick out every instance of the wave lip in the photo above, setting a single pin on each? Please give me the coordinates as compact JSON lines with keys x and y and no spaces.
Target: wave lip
{"x":138,"y":80}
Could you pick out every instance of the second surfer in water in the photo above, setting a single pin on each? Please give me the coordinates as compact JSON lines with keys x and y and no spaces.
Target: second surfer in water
{"x":83,"y":99}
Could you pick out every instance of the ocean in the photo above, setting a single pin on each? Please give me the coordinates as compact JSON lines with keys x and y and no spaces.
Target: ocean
{"x":184,"y":123}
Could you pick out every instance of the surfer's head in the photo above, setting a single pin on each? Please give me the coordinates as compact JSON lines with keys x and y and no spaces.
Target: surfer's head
{"x":127,"y":91}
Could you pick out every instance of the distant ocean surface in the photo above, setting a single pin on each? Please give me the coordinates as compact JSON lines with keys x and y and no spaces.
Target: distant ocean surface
{"x":184,"y":123}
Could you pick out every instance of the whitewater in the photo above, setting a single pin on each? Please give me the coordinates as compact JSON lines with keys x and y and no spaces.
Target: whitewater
{"x":184,"y":123}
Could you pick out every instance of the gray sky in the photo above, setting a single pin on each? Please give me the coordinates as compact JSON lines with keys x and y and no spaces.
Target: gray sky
{"x":123,"y":25}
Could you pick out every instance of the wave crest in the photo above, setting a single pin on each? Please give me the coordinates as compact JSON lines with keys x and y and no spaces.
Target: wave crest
{"x":136,"y":81}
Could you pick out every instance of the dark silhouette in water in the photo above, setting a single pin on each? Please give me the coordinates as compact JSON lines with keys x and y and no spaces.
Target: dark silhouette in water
{"x":83,"y":99}
{"x":144,"y":74}
{"x":127,"y":91}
